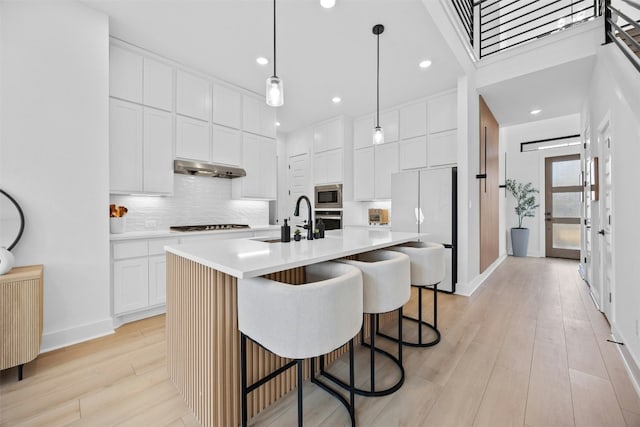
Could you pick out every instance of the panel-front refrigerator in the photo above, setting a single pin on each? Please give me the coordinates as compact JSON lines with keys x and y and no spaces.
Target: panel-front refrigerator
{"x":425,"y":201}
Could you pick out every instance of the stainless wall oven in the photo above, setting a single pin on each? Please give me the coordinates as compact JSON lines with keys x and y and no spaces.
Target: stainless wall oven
{"x":332,"y":219}
{"x":328,"y":196}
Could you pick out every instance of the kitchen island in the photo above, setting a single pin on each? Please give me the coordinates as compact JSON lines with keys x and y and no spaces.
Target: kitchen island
{"x":203,"y":341}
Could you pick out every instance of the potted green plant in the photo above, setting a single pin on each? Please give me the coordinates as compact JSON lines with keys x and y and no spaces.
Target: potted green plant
{"x":525,"y":208}
{"x":296,"y":235}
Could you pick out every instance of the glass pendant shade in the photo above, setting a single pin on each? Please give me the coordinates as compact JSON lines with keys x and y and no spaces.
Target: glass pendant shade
{"x":378,"y":135}
{"x":275,"y":91}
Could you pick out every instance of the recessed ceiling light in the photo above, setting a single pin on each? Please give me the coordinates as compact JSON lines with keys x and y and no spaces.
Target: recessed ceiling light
{"x":327,"y":4}
{"x":336,"y":100}
{"x":425,"y":64}
{"x":535,"y":111}
{"x":262,"y":60}
{"x":277,"y":123}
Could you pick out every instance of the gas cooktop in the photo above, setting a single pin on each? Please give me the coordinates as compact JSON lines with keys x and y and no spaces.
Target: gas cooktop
{"x":208,"y":227}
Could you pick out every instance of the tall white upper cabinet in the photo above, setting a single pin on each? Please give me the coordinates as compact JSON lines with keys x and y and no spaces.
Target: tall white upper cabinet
{"x":193,"y":98}
{"x":332,"y":150}
{"x":140,"y":123}
{"x":257,"y":117}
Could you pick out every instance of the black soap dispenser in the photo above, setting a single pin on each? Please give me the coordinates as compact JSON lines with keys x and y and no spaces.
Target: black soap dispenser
{"x":320,"y":227}
{"x":285,"y":232}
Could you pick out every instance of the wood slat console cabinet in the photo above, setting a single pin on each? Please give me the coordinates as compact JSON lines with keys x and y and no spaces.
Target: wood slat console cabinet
{"x":20,"y":316}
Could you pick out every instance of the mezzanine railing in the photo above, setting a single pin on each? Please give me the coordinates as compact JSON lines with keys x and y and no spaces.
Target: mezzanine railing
{"x":623,"y":29}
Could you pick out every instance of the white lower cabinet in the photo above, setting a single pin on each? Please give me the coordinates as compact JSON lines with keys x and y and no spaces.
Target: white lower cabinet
{"x":139,"y":274}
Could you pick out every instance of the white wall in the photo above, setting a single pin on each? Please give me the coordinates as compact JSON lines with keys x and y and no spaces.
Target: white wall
{"x":615,"y":93}
{"x":54,"y":157}
{"x":195,"y":200}
{"x":529,"y":167}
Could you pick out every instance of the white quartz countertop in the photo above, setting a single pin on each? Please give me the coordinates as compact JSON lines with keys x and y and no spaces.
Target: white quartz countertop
{"x":152,"y":234}
{"x":244,"y":258}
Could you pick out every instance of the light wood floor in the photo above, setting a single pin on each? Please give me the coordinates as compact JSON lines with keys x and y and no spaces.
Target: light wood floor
{"x":528,"y":349}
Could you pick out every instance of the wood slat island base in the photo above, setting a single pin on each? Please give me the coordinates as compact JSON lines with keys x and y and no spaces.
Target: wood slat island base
{"x":203,"y":343}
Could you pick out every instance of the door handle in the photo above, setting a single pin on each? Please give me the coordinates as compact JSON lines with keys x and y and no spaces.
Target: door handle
{"x":547,"y":214}
{"x":601,"y":232}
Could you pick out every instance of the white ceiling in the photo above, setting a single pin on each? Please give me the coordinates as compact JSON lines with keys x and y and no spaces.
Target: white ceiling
{"x":321,"y":53}
{"x":557,"y":91}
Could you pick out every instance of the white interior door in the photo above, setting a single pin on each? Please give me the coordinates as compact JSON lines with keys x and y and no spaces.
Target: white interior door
{"x":606,"y":221}
{"x":587,"y":258}
{"x":298,"y":181}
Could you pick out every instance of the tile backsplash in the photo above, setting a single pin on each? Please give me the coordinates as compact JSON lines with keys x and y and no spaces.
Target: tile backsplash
{"x":195,"y":200}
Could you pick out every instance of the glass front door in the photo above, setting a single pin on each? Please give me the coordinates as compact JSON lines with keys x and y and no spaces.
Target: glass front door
{"x":563,"y":203}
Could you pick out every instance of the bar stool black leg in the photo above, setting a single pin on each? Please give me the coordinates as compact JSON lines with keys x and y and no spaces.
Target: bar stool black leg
{"x":299,"y":392}
{"x":435,"y":306}
{"x":352,"y":386}
{"x":20,"y":371}
{"x":420,"y":315}
{"x":243,"y":376}
{"x":372,"y":352}
{"x":400,"y":335}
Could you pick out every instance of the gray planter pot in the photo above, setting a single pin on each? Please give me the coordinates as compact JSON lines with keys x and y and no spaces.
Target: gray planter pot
{"x":519,"y":241}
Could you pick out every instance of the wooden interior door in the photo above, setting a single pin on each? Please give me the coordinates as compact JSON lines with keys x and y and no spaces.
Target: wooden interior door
{"x":488,"y":181}
{"x":563,"y":206}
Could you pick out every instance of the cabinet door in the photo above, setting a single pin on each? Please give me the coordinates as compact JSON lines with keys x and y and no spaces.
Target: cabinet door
{"x":130,"y":285}
{"x":334,"y":166}
{"x":227,"y":107}
{"x":157,"y":280}
{"x":363,"y":132}
{"x":328,"y":136}
{"x":443,"y":113}
{"x":193,"y":96}
{"x":251,"y":114}
{"x":413,"y":120}
{"x":442,"y":149}
{"x":227,"y":145}
{"x":413,"y":153}
{"x":269,"y":169}
{"x":267,"y":120}
{"x":251,"y":185}
{"x":158,"y":85}
{"x":192,"y":139}
{"x":363,"y":176}
{"x":389,"y":123}
{"x":386,"y":164}
{"x":125,"y":146}
{"x":158,"y":164}
{"x":320,"y":168}
{"x":125,"y":74}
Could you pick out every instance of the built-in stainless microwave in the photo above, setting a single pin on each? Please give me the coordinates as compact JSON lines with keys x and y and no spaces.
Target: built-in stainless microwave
{"x":328,"y":196}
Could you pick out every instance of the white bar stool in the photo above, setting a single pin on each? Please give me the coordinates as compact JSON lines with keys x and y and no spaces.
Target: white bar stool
{"x":427,"y":270}
{"x":300,"y":322}
{"x":386,"y":287}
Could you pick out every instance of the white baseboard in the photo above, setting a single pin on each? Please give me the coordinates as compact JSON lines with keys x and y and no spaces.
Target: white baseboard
{"x":138,"y":315}
{"x":467,"y":289}
{"x":630,"y":363}
{"x":78,"y":334}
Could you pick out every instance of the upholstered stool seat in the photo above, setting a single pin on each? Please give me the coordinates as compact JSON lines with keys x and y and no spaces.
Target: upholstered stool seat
{"x":301,"y":321}
{"x":386,"y":287}
{"x":427,"y":270}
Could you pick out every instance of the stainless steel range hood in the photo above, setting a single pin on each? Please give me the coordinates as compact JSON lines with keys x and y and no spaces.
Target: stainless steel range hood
{"x":191,"y":167}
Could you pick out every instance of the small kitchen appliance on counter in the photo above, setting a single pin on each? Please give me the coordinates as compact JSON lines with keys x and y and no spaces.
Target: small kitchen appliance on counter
{"x":208,"y":227}
{"x":378,"y":216}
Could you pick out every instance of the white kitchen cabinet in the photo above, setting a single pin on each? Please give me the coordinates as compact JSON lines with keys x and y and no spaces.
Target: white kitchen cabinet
{"x":258,"y":117}
{"x":125,"y":146}
{"x":389,"y":124}
{"x":363,"y":132}
{"x":363,"y":174}
{"x":442,"y":148}
{"x":192,"y":139}
{"x":327,"y":167}
{"x":157,"y":279}
{"x":329,"y":135}
{"x":130,"y":284}
{"x":125,"y":74}
{"x":260,"y":162}
{"x":158,"y":85}
{"x":226,"y":145}
{"x":193,"y":98}
{"x":157,"y":152}
{"x":443,"y":113}
{"x":227,"y":107}
{"x":413,"y":120}
{"x":386,"y":164}
{"x":413,"y":153}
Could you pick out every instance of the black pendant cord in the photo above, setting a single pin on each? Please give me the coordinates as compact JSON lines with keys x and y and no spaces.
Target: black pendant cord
{"x":378,"y":84}
{"x":274,"y":38}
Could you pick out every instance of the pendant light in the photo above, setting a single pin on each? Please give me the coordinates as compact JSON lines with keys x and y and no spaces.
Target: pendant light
{"x":378,"y":133}
{"x":275,"y":86}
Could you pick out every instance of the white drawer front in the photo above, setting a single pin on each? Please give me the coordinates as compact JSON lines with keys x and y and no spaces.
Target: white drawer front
{"x":156,"y":246}
{"x":133,"y":249}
